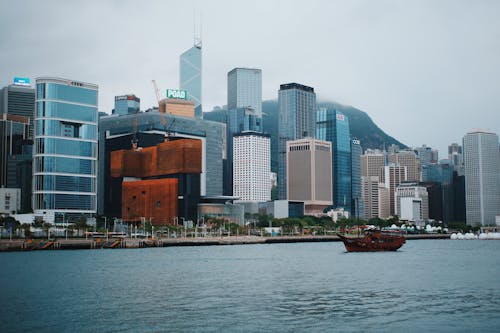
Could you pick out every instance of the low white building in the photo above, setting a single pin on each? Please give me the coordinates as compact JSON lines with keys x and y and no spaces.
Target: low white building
{"x":412,"y":202}
{"x":10,"y":200}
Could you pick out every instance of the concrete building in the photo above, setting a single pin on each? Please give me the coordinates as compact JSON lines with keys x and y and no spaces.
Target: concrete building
{"x":244,"y":89}
{"x":309,"y":173}
{"x":10,"y":200}
{"x":384,"y":201}
{"x":394,"y":174}
{"x":333,"y":126}
{"x":426,"y":155}
{"x":252,"y":167}
{"x":297,"y":120}
{"x":190,"y":76}
{"x":482,"y":169}
{"x":455,"y":154}
{"x":65,"y":150}
{"x":372,"y":162}
{"x":126,"y":104}
{"x":369,"y":188}
{"x":177,"y":107}
{"x":408,"y":159}
{"x":412,"y":202}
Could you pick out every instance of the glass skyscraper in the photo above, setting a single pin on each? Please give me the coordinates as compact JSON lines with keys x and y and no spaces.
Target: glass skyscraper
{"x":333,"y":126}
{"x":244,"y":89}
{"x":297,"y":114}
{"x":357,"y":199}
{"x":127,"y":104}
{"x":65,"y":149}
{"x":190,"y":77}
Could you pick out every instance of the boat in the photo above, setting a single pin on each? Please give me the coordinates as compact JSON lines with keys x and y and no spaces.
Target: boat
{"x":374,"y":240}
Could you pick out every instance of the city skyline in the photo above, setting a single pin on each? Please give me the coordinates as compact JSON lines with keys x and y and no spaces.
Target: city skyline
{"x":377,"y":56}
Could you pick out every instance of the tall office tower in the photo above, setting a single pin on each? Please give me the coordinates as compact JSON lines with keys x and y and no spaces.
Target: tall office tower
{"x":333,"y":126}
{"x":455,"y":154}
{"x":408,"y":159}
{"x":384,"y":201}
{"x":297,"y":120}
{"x":190,"y":76}
{"x":309,"y":173}
{"x":372,"y":161}
{"x":17,"y":111}
{"x":244,"y":89}
{"x":482,"y":188}
{"x":357,"y":199}
{"x":369,"y":188}
{"x":126,"y":104}
{"x":412,"y":202}
{"x":427,"y":155}
{"x":394,"y":174}
{"x":65,"y":152}
{"x":252,"y":166}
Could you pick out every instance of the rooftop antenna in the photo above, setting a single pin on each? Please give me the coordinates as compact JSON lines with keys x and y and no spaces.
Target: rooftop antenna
{"x":197,"y":32}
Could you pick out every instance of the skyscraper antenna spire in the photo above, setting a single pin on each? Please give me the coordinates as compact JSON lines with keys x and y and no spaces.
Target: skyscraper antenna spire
{"x":197,"y":29}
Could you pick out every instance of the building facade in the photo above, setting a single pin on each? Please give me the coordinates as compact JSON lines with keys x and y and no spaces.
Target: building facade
{"x":333,"y":126}
{"x":372,"y":162}
{"x":412,"y":202}
{"x":309,"y":173}
{"x":17,"y":112}
{"x":394,"y":174}
{"x":65,"y":149}
{"x":190,"y":76}
{"x":126,"y":104}
{"x":408,"y":159}
{"x":244,"y":89}
{"x":252,"y":167}
{"x":178,"y":107}
{"x":482,"y":169}
{"x":297,"y":120}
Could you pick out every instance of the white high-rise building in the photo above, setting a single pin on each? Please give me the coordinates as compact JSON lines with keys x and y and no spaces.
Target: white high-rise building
{"x":412,"y":202}
{"x":482,"y":188}
{"x":252,"y":166}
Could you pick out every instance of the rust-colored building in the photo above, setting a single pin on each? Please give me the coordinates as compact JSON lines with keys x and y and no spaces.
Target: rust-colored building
{"x":154,"y":199}
{"x":165,"y":173}
{"x":167,"y":158}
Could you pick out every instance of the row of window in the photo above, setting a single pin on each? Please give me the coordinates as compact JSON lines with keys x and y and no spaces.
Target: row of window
{"x":64,"y":183}
{"x":68,"y":93}
{"x":64,"y":201}
{"x":67,"y":129}
{"x":65,"y":147}
{"x":52,"y":109}
{"x":64,"y":165}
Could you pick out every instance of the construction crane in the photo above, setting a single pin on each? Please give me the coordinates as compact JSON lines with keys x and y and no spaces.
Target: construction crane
{"x":157,"y":93}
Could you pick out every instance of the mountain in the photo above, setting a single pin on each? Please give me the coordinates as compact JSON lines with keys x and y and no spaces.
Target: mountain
{"x":361,"y":127}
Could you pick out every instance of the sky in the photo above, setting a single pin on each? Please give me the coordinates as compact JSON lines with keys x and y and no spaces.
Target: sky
{"x":427,"y":72}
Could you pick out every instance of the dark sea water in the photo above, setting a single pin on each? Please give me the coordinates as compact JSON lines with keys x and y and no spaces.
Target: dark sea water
{"x":428,"y":285}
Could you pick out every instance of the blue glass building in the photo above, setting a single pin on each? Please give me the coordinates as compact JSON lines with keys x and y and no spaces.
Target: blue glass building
{"x":297,"y":114}
{"x":244,"y":89}
{"x":65,"y":148}
{"x":333,"y":126}
{"x":126,"y":104}
{"x":190,"y":77}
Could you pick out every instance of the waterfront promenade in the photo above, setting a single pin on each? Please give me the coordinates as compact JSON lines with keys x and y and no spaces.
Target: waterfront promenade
{"x":114,"y":243}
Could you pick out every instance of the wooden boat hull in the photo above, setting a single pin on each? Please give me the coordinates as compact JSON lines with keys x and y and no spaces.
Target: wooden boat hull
{"x":372,"y":244}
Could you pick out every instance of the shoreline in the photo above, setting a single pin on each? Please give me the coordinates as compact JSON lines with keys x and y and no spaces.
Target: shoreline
{"x":7,"y":245}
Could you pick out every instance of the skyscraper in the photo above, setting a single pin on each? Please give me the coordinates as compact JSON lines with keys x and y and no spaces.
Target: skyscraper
{"x":333,"y":126}
{"x":357,"y":199}
{"x":455,"y":154}
{"x":190,"y":76}
{"x":297,"y":120}
{"x":252,"y":166}
{"x":372,"y":161}
{"x":408,"y":159}
{"x":309,"y":173}
{"x":244,"y":89}
{"x":17,"y":111}
{"x":394,"y":174}
{"x":482,"y":188}
{"x":65,"y":152}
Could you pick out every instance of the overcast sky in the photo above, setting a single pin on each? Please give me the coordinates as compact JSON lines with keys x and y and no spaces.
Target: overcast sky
{"x":425,"y":71}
